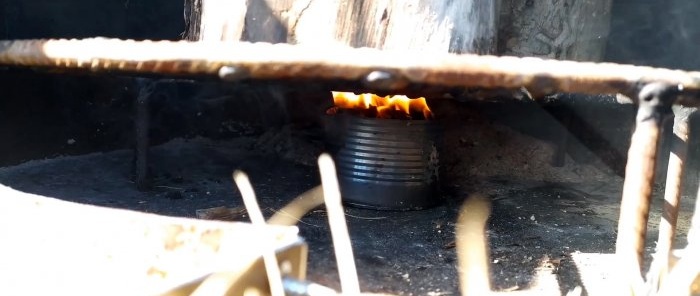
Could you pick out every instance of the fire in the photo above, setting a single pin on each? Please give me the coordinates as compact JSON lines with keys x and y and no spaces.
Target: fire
{"x":390,"y":107}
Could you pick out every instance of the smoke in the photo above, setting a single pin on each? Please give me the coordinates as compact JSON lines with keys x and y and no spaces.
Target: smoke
{"x":661,"y":33}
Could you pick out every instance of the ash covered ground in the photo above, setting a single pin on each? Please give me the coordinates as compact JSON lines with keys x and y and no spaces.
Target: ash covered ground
{"x":545,"y":220}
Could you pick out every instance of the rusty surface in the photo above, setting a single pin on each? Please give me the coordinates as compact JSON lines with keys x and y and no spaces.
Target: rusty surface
{"x":636,"y":197}
{"x":674,"y":180}
{"x":672,"y":196}
{"x":655,"y":104}
{"x":235,"y":61}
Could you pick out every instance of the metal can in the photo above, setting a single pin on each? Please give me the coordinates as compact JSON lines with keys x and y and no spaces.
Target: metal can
{"x":386,"y":164}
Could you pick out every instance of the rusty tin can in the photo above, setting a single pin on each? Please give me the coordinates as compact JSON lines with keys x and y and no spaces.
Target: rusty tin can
{"x":387,"y":164}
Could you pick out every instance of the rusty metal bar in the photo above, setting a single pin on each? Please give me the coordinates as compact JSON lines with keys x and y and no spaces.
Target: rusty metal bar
{"x":672,"y":196}
{"x":375,"y":69}
{"x":674,"y":179}
{"x":683,"y":278}
{"x":655,"y":101}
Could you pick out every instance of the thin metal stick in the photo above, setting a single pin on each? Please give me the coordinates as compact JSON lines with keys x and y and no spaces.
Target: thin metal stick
{"x":292,"y":213}
{"x":472,"y":246}
{"x":274,"y":276}
{"x":339,"y":230}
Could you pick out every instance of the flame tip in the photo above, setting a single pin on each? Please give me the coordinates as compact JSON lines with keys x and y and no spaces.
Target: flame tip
{"x":385,"y":106}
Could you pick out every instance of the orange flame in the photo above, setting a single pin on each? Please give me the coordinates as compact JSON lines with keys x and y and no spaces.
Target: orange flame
{"x":386,"y":107}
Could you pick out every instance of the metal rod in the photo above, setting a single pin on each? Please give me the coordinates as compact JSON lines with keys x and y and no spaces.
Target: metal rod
{"x":347,"y":271}
{"x":142,"y":125}
{"x":683,"y":277}
{"x":274,"y":275}
{"x":473,"y":246}
{"x":655,"y":102}
{"x":674,"y":179}
{"x":233,"y":61}
{"x":674,"y":188}
{"x":292,"y":213}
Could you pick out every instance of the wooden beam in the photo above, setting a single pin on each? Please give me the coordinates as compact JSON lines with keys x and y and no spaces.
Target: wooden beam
{"x":57,"y":247}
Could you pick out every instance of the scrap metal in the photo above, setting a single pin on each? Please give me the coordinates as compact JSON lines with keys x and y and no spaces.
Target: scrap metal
{"x":392,"y":70}
{"x":655,"y":90}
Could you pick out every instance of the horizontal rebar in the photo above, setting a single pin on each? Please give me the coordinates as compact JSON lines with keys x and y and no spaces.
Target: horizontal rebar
{"x":375,"y":69}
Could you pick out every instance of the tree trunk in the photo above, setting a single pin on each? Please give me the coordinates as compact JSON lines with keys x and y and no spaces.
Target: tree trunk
{"x":558,"y":29}
{"x":453,"y":26}
{"x":214,"y":20}
{"x":458,"y":26}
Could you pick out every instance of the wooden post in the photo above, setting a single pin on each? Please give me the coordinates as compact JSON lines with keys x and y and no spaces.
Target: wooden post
{"x":458,"y":26}
{"x":142,"y":126}
{"x":209,"y":20}
{"x":447,"y":26}
{"x":564,"y":29}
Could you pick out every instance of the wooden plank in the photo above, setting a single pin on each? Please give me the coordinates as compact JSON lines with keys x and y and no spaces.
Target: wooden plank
{"x":563,"y":29}
{"x":53,"y":247}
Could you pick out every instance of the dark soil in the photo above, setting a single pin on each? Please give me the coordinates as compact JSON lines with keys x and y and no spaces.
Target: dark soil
{"x":533,"y":224}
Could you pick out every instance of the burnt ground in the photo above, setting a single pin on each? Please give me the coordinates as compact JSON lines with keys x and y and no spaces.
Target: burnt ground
{"x":535,"y":226}
{"x":566,"y":213}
